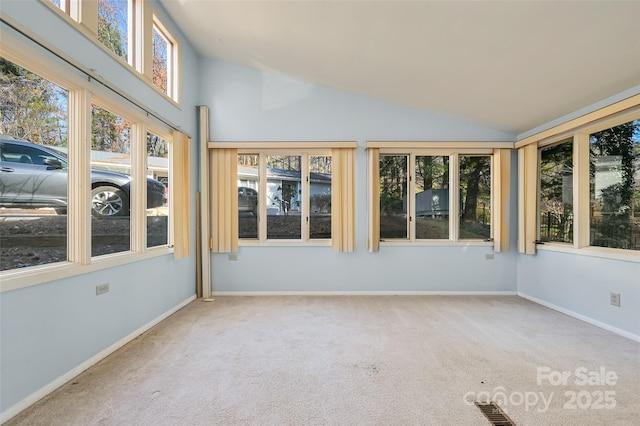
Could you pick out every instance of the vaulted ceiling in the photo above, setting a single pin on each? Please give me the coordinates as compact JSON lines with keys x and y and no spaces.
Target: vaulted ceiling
{"x":510,"y":66}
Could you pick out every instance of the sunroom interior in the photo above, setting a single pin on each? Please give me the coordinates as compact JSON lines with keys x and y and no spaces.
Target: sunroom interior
{"x":522,"y":118}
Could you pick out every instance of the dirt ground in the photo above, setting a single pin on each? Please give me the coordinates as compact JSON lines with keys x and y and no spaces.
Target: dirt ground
{"x":28,"y":240}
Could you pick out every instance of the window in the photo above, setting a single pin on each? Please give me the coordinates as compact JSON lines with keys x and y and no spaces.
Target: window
{"x":614,"y":187}
{"x":164,"y":51}
{"x":33,"y":170}
{"x":588,"y":192}
{"x":113,"y":26}
{"x":300,"y":194}
{"x":157,"y":171}
{"x":296,"y":200}
{"x":475,"y":197}
{"x":556,"y":193}
{"x":132,"y":32}
{"x":451,"y":197}
{"x":63,"y":5}
{"x":51,"y":227}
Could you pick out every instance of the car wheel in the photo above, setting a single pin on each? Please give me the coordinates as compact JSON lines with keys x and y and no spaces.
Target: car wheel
{"x":107,"y":201}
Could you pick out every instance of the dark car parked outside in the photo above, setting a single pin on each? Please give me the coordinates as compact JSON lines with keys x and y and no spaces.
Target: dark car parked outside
{"x":34,"y":176}
{"x":247,"y":200}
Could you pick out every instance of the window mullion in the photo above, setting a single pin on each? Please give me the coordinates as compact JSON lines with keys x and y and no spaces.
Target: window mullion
{"x":454,"y":197}
{"x":581,"y":196}
{"x":79,"y":181}
{"x":262,"y":193}
{"x":304,"y":214}
{"x":139,"y":188}
{"x":411,"y":196}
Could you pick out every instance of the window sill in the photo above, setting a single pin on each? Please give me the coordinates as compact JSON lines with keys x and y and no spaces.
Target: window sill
{"x":601,"y":252}
{"x":15,"y":279}
{"x":437,"y":243}
{"x":284,"y":243}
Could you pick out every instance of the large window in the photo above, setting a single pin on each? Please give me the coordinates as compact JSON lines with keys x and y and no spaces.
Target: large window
{"x":451,"y":197}
{"x":71,"y":202}
{"x":111,"y":193}
{"x":614,"y":187}
{"x":289,"y":193}
{"x":33,"y":169}
{"x":292,"y":196}
{"x":588,"y":185}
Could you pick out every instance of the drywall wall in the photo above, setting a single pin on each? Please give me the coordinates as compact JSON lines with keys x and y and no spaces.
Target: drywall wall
{"x":52,"y":329}
{"x":581,"y":285}
{"x":250,"y":105}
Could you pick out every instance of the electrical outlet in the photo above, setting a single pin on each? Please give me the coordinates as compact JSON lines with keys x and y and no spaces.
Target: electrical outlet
{"x":615,"y":299}
{"x":102,"y":289}
{"x":233,"y":256}
{"x":488,"y":256}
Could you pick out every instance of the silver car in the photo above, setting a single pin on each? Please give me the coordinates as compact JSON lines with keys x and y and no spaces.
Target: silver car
{"x":34,"y":176}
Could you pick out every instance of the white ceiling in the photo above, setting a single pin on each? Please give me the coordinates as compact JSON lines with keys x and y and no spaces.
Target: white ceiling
{"x":510,"y":66}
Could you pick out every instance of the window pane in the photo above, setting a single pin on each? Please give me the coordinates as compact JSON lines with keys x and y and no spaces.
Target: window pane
{"x":160,"y":60}
{"x":111,"y":184}
{"x":615,"y":187}
{"x":283,"y":197}
{"x":432,"y":197}
{"x":157,"y":190}
{"x":113,"y":24}
{"x":33,"y":169}
{"x":248,"y":195}
{"x":475,"y":197}
{"x":556,"y":193}
{"x":393,"y":197}
{"x":320,"y":197}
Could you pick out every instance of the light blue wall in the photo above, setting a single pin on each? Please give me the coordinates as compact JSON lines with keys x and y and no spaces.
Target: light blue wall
{"x":581,"y":285}
{"x":48,"y":330}
{"x":248,"y":105}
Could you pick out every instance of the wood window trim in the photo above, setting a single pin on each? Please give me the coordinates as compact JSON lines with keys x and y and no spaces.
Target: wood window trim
{"x":343,"y":192}
{"x":579,"y":130}
{"x":81,"y":96}
{"x":500,"y":187}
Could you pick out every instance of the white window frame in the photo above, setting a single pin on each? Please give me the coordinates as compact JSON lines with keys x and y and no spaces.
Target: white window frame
{"x":83,"y":16}
{"x":305,"y":238}
{"x":172,"y":59}
{"x":81,"y":95}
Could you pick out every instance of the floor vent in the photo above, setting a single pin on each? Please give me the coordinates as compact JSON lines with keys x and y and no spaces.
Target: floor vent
{"x":494,"y":414}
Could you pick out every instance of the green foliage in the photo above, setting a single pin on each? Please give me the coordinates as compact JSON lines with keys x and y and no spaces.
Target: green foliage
{"x":109,"y":32}
{"x":393,"y":183}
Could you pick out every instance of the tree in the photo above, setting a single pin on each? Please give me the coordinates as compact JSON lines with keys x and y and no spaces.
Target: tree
{"x":109,"y":132}
{"x":160,"y":61}
{"x":111,"y":18}
{"x":473,"y":176}
{"x":32,"y":108}
{"x":615,"y":228}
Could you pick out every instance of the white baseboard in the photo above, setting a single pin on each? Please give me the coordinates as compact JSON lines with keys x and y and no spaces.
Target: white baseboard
{"x":47,"y":389}
{"x":364,"y":293}
{"x":581,"y":317}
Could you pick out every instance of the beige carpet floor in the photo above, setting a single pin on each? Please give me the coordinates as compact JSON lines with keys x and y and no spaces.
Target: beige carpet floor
{"x":351,"y":360}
